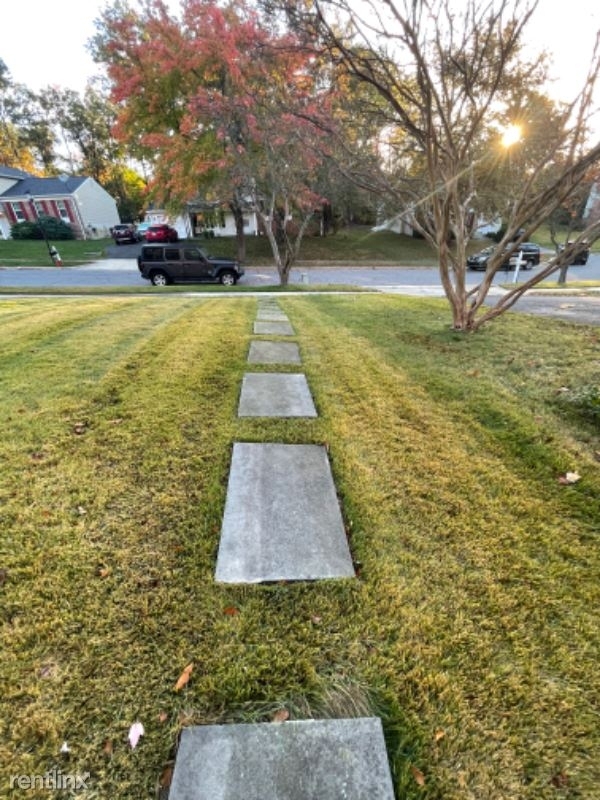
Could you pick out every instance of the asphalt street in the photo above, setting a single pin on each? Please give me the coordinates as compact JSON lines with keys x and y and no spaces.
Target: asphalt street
{"x":421,"y":281}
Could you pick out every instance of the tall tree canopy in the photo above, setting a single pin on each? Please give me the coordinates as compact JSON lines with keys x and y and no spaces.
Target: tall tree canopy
{"x":224,"y":107}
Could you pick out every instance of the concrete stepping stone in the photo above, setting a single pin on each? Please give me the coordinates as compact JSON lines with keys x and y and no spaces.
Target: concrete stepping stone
{"x":302,"y":760}
{"x":273,"y":328}
{"x":274,"y":394}
{"x":263,"y":352}
{"x":267,"y":315}
{"x":282,"y":518}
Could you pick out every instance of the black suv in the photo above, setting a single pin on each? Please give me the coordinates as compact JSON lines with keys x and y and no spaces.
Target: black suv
{"x":162,"y":264}
{"x":531,"y":257}
{"x":125,"y":233}
{"x":581,"y":255}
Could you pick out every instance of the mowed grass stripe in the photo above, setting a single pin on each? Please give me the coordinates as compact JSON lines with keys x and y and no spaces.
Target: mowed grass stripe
{"x":82,"y":339}
{"x":95,"y":532}
{"x":483,"y":593}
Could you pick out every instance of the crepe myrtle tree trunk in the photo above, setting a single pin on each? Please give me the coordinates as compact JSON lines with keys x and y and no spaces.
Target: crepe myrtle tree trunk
{"x":240,"y":235}
{"x":285,"y":246}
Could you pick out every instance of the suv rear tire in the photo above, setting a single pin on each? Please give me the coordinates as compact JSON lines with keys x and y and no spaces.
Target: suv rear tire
{"x":159,"y":278}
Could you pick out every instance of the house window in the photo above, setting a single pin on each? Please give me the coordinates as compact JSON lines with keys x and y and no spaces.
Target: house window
{"x":18,"y":212}
{"x":62,"y":211}
{"x":39,"y":208}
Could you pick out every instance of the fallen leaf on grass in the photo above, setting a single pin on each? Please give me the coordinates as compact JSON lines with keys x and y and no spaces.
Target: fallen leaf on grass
{"x":108,"y":747}
{"x":439,"y":735}
{"x":418,"y":776}
{"x":135,"y":733}
{"x":184,"y":677}
{"x":163,"y":717}
{"x":166,"y":777}
{"x":281,"y":716}
{"x":48,"y":671}
{"x":560,"y":780}
{"x":231,"y":611}
{"x":569,"y":477}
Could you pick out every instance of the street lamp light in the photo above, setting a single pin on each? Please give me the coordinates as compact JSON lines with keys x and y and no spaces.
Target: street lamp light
{"x":52,"y":251}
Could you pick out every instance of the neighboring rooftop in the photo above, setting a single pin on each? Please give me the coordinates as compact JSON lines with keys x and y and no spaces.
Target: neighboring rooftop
{"x":42,"y":187}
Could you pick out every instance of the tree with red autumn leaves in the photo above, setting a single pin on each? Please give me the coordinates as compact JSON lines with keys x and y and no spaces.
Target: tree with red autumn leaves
{"x":224,"y":107}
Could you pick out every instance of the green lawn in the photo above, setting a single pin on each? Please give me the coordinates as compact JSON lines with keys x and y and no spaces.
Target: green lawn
{"x":472,"y":629}
{"x":355,"y":245}
{"x":14,"y":253}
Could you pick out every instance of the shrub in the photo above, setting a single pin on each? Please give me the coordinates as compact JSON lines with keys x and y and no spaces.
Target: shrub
{"x":54,"y":228}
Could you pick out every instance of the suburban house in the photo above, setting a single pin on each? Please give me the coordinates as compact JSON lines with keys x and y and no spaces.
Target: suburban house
{"x":401,"y":223}
{"x":79,"y":201}
{"x":200,"y":219}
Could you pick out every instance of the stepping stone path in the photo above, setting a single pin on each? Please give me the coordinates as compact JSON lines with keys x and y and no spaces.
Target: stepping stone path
{"x":306,"y":760}
{"x":282,"y":521}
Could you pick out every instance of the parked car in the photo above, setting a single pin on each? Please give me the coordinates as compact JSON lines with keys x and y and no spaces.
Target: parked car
{"x":581,"y":255}
{"x":127,"y":232}
{"x":143,"y":229}
{"x":162,"y":264}
{"x":161,"y":233}
{"x":531,"y":257}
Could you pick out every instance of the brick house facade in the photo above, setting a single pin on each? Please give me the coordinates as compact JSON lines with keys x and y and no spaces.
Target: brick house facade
{"x":79,"y":201}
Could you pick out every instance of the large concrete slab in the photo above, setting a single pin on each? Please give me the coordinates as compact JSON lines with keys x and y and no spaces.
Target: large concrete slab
{"x":264,"y":352}
{"x":272,"y":394}
{"x":273,"y":328}
{"x":282,"y":519}
{"x":333,"y":759}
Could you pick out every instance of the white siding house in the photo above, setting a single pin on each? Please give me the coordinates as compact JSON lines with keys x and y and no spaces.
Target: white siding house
{"x":196,"y":222}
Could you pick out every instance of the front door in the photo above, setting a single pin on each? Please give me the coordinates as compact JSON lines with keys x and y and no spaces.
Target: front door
{"x":175,"y":264}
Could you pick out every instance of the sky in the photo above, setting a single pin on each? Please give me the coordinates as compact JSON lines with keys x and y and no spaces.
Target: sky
{"x":43,"y":42}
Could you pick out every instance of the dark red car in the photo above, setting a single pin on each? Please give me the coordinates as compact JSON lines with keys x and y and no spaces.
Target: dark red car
{"x":125,"y":233}
{"x":161,"y":233}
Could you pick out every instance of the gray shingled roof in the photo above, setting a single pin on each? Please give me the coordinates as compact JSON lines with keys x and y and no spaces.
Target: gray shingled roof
{"x":44,"y":187}
{"x":11,"y":172}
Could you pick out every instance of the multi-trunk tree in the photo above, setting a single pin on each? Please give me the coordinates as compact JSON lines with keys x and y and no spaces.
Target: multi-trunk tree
{"x":450,"y":77}
{"x":226,"y":109}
